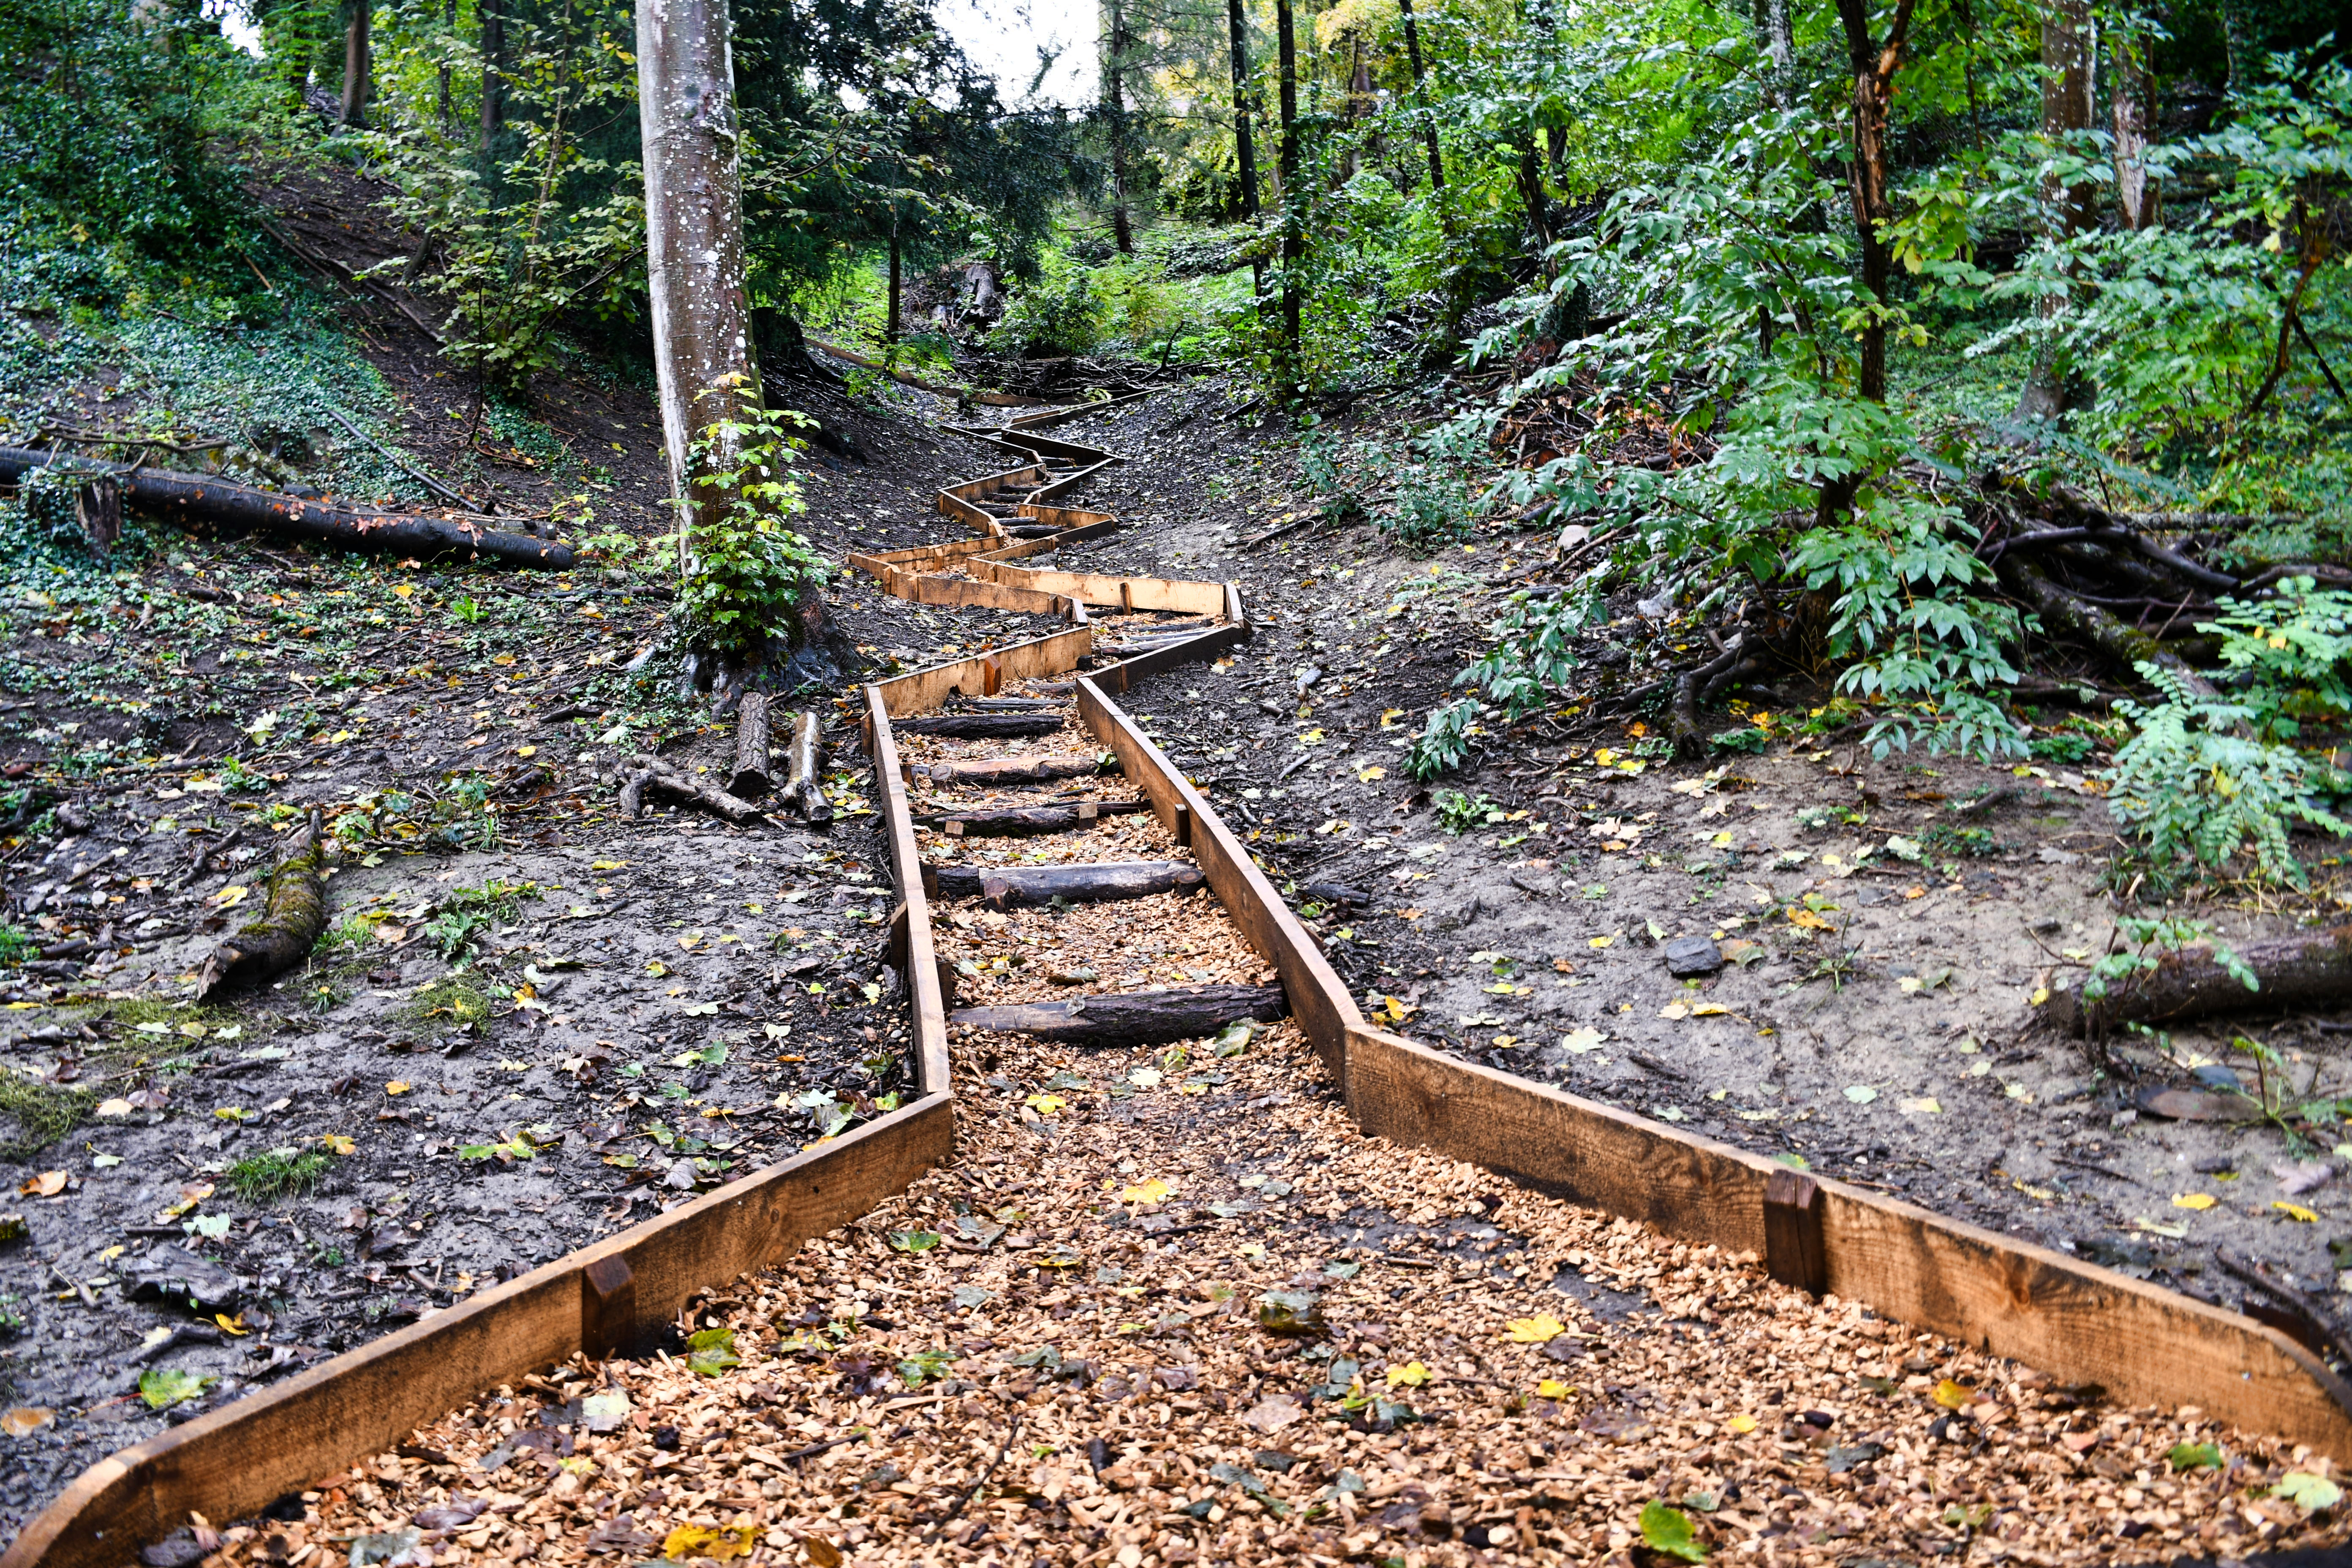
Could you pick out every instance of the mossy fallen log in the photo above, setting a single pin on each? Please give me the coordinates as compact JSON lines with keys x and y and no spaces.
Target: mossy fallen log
{"x":290,"y":921}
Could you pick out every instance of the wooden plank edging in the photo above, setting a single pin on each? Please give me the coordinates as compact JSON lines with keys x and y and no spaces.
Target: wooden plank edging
{"x":230,"y":1463}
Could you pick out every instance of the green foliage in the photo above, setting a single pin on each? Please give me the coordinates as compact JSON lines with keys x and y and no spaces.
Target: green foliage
{"x":2195,"y":791}
{"x":107,"y":177}
{"x":2149,"y":939}
{"x":745,"y":572}
{"x":1445,"y":740}
{"x":1533,"y":653}
{"x":1458,"y":812}
{"x":1666,"y":1530}
{"x":277,"y":1172}
{"x":465,"y":913}
{"x":16,"y":945}
{"x":2291,"y":650}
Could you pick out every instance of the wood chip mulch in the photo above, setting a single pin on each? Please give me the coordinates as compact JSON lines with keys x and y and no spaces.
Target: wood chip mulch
{"x":1167,"y":1307}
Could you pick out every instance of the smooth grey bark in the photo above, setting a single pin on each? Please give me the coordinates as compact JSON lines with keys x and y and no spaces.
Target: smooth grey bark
{"x":694,"y":240}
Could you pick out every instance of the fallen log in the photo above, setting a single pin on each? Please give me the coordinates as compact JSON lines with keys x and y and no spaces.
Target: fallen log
{"x":1008,"y":885}
{"x":751,"y":776}
{"x":192,"y":498}
{"x":654,"y":775}
{"x":981,"y":726}
{"x":1009,"y":771}
{"x":290,"y":924}
{"x":1134,"y":1018}
{"x":801,"y":794}
{"x":1026,"y":821}
{"x":2311,"y":969}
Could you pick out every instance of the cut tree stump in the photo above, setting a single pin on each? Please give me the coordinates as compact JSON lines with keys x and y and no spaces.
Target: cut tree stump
{"x":751,"y":746}
{"x":1026,"y":821}
{"x":1135,"y":1018}
{"x":2314,"y":969}
{"x":289,"y":926}
{"x":803,"y":759}
{"x":980,"y":726}
{"x":1008,"y":885}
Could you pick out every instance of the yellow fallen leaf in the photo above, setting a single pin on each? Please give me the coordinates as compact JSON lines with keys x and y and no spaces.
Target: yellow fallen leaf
{"x":2295,"y":1211}
{"x":1806,"y":919}
{"x":2194,"y":1200}
{"x":689,"y":940}
{"x":337,"y":1143}
{"x":1044,"y":1104}
{"x":397,"y":1086}
{"x":607,"y":865}
{"x":1926,"y":1105}
{"x":526,"y":750}
{"x":1411,"y":1374}
{"x":1708,"y":1010}
{"x":1552,"y":1388}
{"x":1154,"y":1191}
{"x":116,"y":1106}
{"x":1742,"y":1424}
{"x":2041,"y":995}
{"x":502,"y":658}
{"x":701,"y":1540}
{"x":1674,"y":1010}
{"x":388,"y":934}
{"x":26,"y":1420}
{"x":1370,"y":774}
{"x":402,"y":590}
{"x":1539,"y":1329}
{"x":1951,"y":1395}
{"x":232,"y":894}
{"x":1601,"y":941}
{"x":232,"y":1325}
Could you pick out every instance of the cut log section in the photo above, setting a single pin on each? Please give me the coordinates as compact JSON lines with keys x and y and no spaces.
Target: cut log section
{"x":981,"y":726}
{"x":1135,"y":1018}
{"x":751,"y":746}
{"x":1004,"y":886}
{"x":1026,"y":821}
{"x":803,"y":796}
{"x":192,"y":498}
{"x":290,"y":924}
{"x":2305,"y":971}
{"x":1009,"y":771}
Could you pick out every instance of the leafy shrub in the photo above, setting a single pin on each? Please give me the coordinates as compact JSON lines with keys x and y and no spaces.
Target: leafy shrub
{"x":1458,"y":812}
{"x":2290,"y":650}
{"x":2195,"y":791}
{"x":1057,"y":314}
{"x":1444,"y":740}
{"x":2064,"y":747}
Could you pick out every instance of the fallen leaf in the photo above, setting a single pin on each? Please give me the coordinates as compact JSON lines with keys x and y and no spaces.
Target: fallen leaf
{"x":232,"y":894}
{"x":47,"y":1184}
{"x":2308,"y":1492}
{"x":1861,"y":1093}
{"x":1552,"y":1388}
{"x":232,"y":1326}
{"x":165,"y":1388}
{"x":1952,"y":1395}
{"x":1742,"y":1425}
{"x":1154,"y":1191}
{"x":1666,"y":1530}
{"x":398,"y":1086}
{"x":336,"y":1144}
{"x":1272,"y":1415}
{"x":26,"y":1420}
{"x":2295,"y":1212}
{"x":710,"y":1353}
{"x":604,"y":1411}
{"x":1924,"y":1105}
{"x":1044,"y":1104}
{"x":116,"y":1106}
{"x":1411,"y":1374}
{"x":1674,"y":1010}
{"x":1576,"y":1042}
{"x":820,"y":1552}
{"x":1807,"y":919}
{"x":1600,"y":941}
{"x":913,"y":1240}
{"x":2194,"y":1200}
{"x":1539,"y":1329}
{"x":717,"y":1544}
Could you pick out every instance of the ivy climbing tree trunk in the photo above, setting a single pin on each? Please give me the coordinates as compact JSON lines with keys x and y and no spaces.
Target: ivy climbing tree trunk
{"x":693,"y":239}
{"x":357,"y":63}
{"x":1420,"y":97}
{"x":1294,"y":241}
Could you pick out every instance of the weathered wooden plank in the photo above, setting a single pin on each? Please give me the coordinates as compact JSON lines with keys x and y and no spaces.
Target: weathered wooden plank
{"x":981,"y":726}
{"x":1056,"y":416}
{"x":1097,"y":883}
{"x":1010,"y":770}
{"x":927,"y":999}
{"x":228,"y":1463}
{"x":982,"y":593}
{"x":1318,"y":997}
{"x":1164,"y":594}
{"x":1023,"y":821}
{"x":1127,"y":672}
{"x":1069,"y":482}
{"x":926,"y":690}
{"x":1027,"y":441}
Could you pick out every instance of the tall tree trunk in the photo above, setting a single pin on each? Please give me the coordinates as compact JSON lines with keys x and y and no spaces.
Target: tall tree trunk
{"x":441,"y":96}
{"x":1245,"y":150}
{"x":890,"y":326}
{"x":494,"y":48}
{"x":694,"y":241}
{"x":1114,"y":75}
{"x":1873,"y":66}
{"x":1294,"y":241}
{"x":357,"y":63}
{"x":2137,"y":191}
{"x":1360,"y":97}
{"x":1537,"y":200}
{"x":2067,"y":210}
{"x":1420,"y":97}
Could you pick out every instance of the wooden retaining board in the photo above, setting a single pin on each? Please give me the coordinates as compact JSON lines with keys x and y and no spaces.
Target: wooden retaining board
{"x":2008,"y":1298}
{"x":1164,"y":593}
{"x":1056,"y":416}
{"x":231,"y":1462}
{"x":924,"y":690}
{"x":927,"y":1012}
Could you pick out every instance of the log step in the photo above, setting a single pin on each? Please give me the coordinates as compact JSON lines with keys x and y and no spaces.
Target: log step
{"x":1132,"y":1018}
{"x":980,"y":726}
{"x":1008,"y":770}
{"x":1027,"y":821}
{"x":1005,"y":886}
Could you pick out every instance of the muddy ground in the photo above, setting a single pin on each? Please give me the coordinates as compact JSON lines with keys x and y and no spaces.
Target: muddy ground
{"x":533,"y":1023}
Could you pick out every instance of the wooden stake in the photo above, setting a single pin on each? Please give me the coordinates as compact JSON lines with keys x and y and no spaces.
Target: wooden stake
{"x":751,"y":746}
